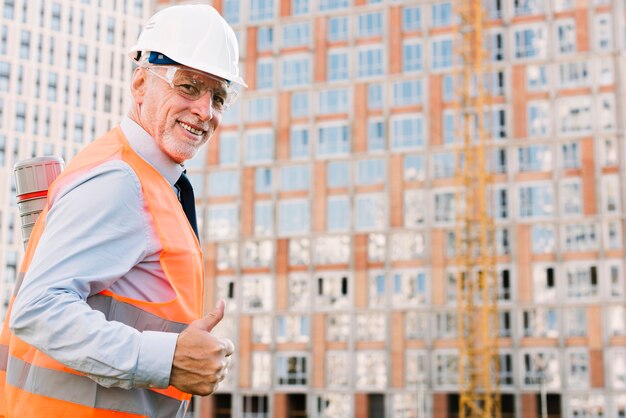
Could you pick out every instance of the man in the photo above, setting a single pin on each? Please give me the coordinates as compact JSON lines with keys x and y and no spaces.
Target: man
{"x":108,"y":319}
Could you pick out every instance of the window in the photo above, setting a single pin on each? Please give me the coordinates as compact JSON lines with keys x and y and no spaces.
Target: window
{"x":299,"y":143}
{"x":371,"y":212}
{"x":265,"y":75}
{"x":414,"y":207}
{"x":257,"y":293}
{"x":574,"y":74}
{"x":411,"y":18}
{"x":415,"y":325}
{"x":608,"y":152}
{"x":55,"y":18}
{"x":541,"y":366}
{"x":292,"y":328}
{"x":414,"y":167}
{"x":265,"y":39}
{"x":263,"y":219}
{"x":331,"y":405}
{"x":407,"y":93}
{"x":259,"y":147}
{"x":294,"y":177}
{"x":337,"y":65}
{"x":333,"y":101}
{"x":338,"y":174}
{"x":536,"y":201}
{"x":409,"y":288}
{"x":530,"y":42}
{"x":261,"y":9}
{"x":25,"y":44}
{"x":544,"y":283}
{"x":370,"y":24}
{"x":291,"y":370}
{"x":338,"y":214}
{"x":576,"y":322}
{"x":299,"y":104}
{"x":260,"y":109}
{"x":338,"y":370}
{"x":332,"y":292}
{"x":603,"y":32}
{"x":407,"y":132}
{"x":296,"y":72}
{"x":610,"y":194}
{"x":606,"y":112}
{"x":535,"y":158}
{"x":582,"y":281}
{"x":617,"y":360}
{"x":263,"y":180}
{"x":370,"y":62}
{"x":536,"y":77}
{"x":500,"y":203}
{"x":566,"y":36}
{"x":255,"y":406}
{"x":441,"y":14}
{"x":371,"y":370}
{"x":540,"y":322}
{"x":442,"y":54}
{"x":412,"y":56}
{"x":528,"y":7}
{"x":299,"y":7}
{"x":580,"y":237}
{"x":333,"y":140}
{"x":444,"y":208}
{"x":257,"y":254}
{"x":571,"y":197}
{"x":613,"y":235}
{"x":299,"y":251}
{"x":375,"y":96}
{"x":370,"y":326}
{"x":495,"y":46}
{"x":574,"y":115}
{"x":222,"y":221}
{"x":261,"y":369}
{"x":375,"y":135}
{"x":407,"y":246}
{"x":370,"y":171}
{"x":293,"y":216}
{"x":577,"y":368}
{"x":538,"y":119}
{"x":446,"y":369}
{"x":5,"y":76}
{"x":571,"y":155}
{"x":337,"y":29}
{"x":333,"y":4}
{"x":443,"y":164}
{"x":333,"y":249}
{"x":296,"y":34}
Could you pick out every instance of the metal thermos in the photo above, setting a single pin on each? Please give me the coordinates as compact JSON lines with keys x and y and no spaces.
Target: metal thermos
{"x":32,"y":180}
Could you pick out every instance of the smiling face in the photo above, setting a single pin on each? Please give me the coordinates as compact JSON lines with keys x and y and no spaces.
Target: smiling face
{"x":180,"y":126}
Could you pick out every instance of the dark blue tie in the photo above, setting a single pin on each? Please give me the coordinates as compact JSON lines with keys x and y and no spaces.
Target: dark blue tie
{"x":188,"y":201}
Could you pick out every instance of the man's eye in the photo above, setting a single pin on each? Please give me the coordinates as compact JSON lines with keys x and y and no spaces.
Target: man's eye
{"x":189,"y":89}
{"x":219,"y":99}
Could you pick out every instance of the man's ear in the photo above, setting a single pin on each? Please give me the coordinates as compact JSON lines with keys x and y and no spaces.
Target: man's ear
{"x":138,"y":85}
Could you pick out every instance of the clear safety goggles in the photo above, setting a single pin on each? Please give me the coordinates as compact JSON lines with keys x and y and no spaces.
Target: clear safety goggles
{"x":193,"y":84}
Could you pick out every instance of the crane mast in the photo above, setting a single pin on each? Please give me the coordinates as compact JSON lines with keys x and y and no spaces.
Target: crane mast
{"x":477,"y":287}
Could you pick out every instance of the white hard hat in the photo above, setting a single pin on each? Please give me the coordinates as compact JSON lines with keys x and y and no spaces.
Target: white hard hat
{"x":194,"y":35}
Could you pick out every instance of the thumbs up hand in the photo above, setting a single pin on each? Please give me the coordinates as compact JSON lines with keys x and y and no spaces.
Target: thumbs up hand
{"x":201,"y":360}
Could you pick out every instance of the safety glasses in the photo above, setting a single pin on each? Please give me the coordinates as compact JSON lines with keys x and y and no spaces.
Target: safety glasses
{"x":192,"y":84}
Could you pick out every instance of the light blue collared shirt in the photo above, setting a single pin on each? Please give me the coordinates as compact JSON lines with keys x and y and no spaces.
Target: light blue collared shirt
{"x":99,"y":236}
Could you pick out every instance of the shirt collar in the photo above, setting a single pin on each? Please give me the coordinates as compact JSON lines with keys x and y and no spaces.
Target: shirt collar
{"x":144,"y":145}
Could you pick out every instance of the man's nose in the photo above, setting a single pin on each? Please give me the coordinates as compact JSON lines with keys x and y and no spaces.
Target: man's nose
{"x":203,"y":107}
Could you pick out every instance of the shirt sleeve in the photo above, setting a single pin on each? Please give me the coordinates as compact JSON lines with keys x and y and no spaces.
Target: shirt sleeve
{"x":96,"y":231}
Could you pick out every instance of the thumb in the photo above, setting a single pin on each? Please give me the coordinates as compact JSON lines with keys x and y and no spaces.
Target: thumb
{"x":211,"y":319}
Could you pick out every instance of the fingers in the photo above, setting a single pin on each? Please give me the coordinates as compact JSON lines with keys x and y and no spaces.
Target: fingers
{"x":229,"y":347}
{"x":211,"y":319}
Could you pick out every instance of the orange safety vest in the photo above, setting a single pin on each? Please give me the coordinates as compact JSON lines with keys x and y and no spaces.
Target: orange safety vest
{"x":34,"y":385}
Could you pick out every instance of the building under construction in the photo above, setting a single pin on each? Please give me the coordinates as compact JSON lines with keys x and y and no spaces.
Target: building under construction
{"x":331,"y":227}
{"x":338,"y":207}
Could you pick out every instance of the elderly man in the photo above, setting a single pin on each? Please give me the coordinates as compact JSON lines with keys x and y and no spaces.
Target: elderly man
{"x":108,"y":320}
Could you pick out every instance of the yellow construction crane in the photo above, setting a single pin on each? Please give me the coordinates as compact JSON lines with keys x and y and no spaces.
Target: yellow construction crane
{"x":475,"y":250}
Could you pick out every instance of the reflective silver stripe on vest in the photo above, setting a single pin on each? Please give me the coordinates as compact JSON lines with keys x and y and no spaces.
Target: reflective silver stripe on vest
{"x":18,"y":283}
{"x":4,"y":357}
{"x":115,"y":310}
{"x":83,"y":391}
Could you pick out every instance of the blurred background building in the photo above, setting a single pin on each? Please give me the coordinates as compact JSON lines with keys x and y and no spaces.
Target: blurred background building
{"x":326,"y":204}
